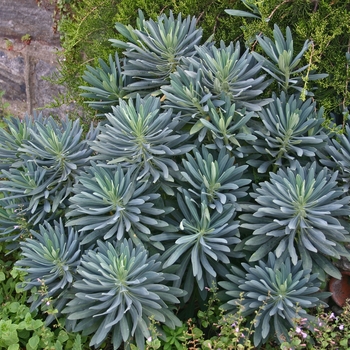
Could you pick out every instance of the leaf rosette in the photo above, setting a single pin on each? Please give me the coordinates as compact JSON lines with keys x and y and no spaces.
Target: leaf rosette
{"x":155,"y":48}
{"x":225,"y":127}
{"x":188,"y":95}
{"x":108,"y":85}
{"x":121,"y":287}
{"x":110,"y":204}
{"x":58,"y":148}
{"x":229,"y":73}
{"x":292,"y":130}
{"x":299,"y":212}
{"x":14,"y":225}
{"x":140,"y":135}
{"x":33,"y":192}
{"x":204,"y":244}
{"x":16,"y":133}
{"x":215,"y":176}
{"x":50,"y":259}
{"x":282,"y":63}
{"x":336,"y":156}
{"x":277,"y":292}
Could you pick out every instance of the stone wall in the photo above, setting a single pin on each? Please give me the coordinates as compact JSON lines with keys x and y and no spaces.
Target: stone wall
{"x":24,"y":68}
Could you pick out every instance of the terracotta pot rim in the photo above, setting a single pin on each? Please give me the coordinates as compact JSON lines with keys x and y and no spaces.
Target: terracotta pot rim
{"x":340,"y":288}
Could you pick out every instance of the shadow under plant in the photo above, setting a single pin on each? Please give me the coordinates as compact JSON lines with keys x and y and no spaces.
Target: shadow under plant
{"x":195,"y":177}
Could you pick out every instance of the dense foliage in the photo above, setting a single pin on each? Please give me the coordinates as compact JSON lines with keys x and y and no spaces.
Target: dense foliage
{"x":210,"y":159}
{"x":86,"y":26}
{"x":120,"y":288}
{"x":278,"y":292}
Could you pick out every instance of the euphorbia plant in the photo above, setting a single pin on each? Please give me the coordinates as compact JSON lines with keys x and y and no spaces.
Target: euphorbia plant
{"x":161,"y":188}
{"x":275,"y":292}
{"x":50,"y":259}
{"x":120,"y":287}
{"x":113,"y":204}
{"x":299,"y":213}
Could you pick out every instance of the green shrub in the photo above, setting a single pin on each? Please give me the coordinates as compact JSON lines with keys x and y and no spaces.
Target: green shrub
{"x":3,"y":108}
{"x":86,"y":26}
{"x":277,"y":293}
{"x":328,"y":331}
{"x":158,"y":194}
{"x":40,"y":160}
{"x":19,"y":326}
{"x":300,"y":210}
{"x":50,"y":259}
{"x":121,"y":287}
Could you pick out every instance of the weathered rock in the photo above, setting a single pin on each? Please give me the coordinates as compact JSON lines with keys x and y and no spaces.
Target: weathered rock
{"x":12,"y":75}
{"x":24,"y":69}
{"x":20,"y":17}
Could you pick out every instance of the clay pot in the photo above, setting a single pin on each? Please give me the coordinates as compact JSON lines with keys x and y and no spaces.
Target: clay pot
{"x":340,"y":289}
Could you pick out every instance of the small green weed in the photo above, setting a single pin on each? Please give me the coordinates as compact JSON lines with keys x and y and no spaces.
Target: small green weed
{"x":327,"y":332}
{"x":3,"y":108}
{"x":19,"y":327}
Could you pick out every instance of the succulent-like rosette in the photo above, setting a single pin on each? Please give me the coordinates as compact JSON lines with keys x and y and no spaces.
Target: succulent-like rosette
{"x":16,"y":133}
{"x":225,"y":127}
{"x":59,"y":147}
{"x":47,"y":156}
{"x":121,"y":287}
{"x":155,"y":48}
{"x":107,"y":84}
{"x":229,"y":72}
{"x":111,"y":204}
{"x":292,"y":130}
{"x":187,"y":94}
{"x":50,"y":259}
{"x":14,"y":223}
{"x":215,"y":176}
{"x":33,"y":192}
{"x":336,"y":156}
{"x":275,"y":293}
{"x":204,"y":244}
{"x":140,"y":135}
{"x":299,"y":212}
{"x":282,"y":63}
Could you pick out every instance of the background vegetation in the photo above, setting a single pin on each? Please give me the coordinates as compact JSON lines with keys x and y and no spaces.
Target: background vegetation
{"x":86,"y":26}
